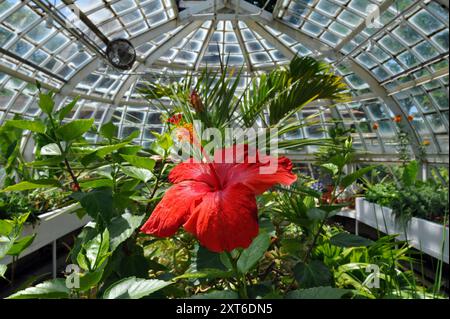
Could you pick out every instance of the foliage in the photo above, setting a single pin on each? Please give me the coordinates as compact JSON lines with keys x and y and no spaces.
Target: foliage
{"x":11,"y":241}
{"x":279,"y":95}
{"x":409,"y":197}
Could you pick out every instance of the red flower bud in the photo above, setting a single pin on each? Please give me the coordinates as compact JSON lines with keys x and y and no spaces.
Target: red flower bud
{"x":75,"y":187}
{"x":196,"y":102}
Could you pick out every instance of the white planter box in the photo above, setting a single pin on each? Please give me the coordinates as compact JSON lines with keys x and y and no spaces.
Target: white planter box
{"x":50,"y":227}
{"x":426,"y":236}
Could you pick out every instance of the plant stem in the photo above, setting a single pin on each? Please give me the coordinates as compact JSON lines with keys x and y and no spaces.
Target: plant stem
{"x":322,"y":223}
{"x":241,"y":280}
{"x":66,"y":162}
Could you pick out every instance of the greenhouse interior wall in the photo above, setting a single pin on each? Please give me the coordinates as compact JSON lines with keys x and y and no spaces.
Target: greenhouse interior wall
{"x":224,"y":149}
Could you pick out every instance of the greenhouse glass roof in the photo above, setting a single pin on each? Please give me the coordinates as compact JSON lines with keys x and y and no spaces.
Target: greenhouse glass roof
{"x":392,"y":54}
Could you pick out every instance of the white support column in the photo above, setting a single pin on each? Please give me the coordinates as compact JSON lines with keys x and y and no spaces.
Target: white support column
{"x":54,"y":260}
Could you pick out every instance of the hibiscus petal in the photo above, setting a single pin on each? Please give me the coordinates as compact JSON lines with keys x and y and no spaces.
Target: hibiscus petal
{"x":225,"y":219}
{"x":260,"y":177}
{"x":190,"y":171}
{"x":174,"y":208}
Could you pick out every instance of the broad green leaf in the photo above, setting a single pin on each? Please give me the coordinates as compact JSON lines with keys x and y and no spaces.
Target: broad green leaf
{"x":130,"y":149}
{"x":53,"y":161}
{"x":98,"y":203}
{"x":313,"y":274}
{"x":28,"y":185}
{"x":350,"y":240}
{"x":316,"y":214}
{"x":331,"y":168}
{"x":90,"y":279}
{"x":62,"y":113}
{"x":218,"y":294}
{"x":51,"y":150}
{"x":46,"y":103}
{"x":20,"y":245}
{"x":318,"y":293}
{"x":105,"y":150}
{"x":6,"y":227}
{"x":250,"y":256}
{"x":34,"y":126}
{"x":132,"y":136}
{"x":353,"y":177}
{"x":101,"y":152}
{"x":96,"y":250}
{"x":134,"y":288}
{"x":140,"y":162}
{"x":122,"y":227}
{"x":109,"y":130}
{"x":52,"y":289}
{"x":96,"y":183}
{"x":5,"y":245}
{"x":141,"y":174}
{"x":206,"y":259}
{"x":74,"y":129}
{"x":206,"y":274}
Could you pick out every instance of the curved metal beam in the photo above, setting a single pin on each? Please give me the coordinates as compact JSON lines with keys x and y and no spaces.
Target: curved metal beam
{"x":183,"y":17}
{"x":155,"y":55}
{"x":299,"y":36}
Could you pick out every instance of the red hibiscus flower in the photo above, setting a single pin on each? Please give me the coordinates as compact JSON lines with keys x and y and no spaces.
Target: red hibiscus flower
{"x":216,"y":202}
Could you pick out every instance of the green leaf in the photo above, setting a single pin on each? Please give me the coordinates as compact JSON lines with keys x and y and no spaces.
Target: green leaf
{"x":108,"y":130}
{"x":134,"y":288}
{"x":206,"y":259}
{"x":28,"y":185}
{"x":318,"y":293}
{"x":96,"y":250}
{"x":410,"y":173}
{"x":206,"y":273}
{"x":130,"y":149}
{"x":53,"y":161}
{"x":141,"y":174}
{"x":350,"y":240}
{"x":34,"y":126}
{"x":218,"y":294}
{"x":316,"y":214}
{"x":6,"y":227}
{"x":122,"y":227}
{"x":51,"y":149}
{"x":132,"y":136}
{"x":74,"y":129}
{"x":140,"y":162}
{"x":353,"y":177}
{"x":96,"y":183}
{"x":105,"y":150}
{"x":250,"y":256}
{"x":46,"y":103}
{"x":52,"y":289}
{"x":98,"y":203}
{"x":333,"y":169}
{"x":90,"y":279}
{"x":20,"y":245}
{"x":62,"y":113}
{"x":101,"y":152}
{"x":313,"y":274}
